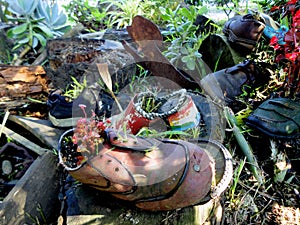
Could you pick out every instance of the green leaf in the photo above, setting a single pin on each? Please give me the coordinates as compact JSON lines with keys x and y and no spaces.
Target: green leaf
{"x":35,"y":42}
{"x":42,"y":11}
{"x":37,"y":20}
{"x":30,"y":6}
{"x":186,"y":13}
{"x":16,"y":47}
{"x":165,"y":17}
{"x":61,"y":28}
{"x":61,"y":20}
{"x":9,"y":33}
{"x":22,"y":7}
{"x":202,"y":10}
{"x":55,"y":11}
{"x":19,"y":29}
{"x":162,"y":10}
{"x":15,"y":8}
{"x":19,"y":19}
{"x":23,"y":41}
{"x":190,"y":64}
{"x":44,"y":29}
{"x":41,"y":38}
{"x":197,"y":55}
{"x":184,"y":50}
{"x":185,"y":58}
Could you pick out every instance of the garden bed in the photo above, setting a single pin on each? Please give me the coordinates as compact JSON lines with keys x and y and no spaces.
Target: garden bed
{"x":34,"y":197}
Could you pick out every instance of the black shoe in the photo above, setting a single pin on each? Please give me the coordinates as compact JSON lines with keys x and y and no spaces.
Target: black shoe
{"x":60,"y":111}
{"x":244,"y":31}
{"x":66,"y":114}
{"x":277,"y":117}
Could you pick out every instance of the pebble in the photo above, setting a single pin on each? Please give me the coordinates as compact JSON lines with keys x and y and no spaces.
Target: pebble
{"x":6,"y":167}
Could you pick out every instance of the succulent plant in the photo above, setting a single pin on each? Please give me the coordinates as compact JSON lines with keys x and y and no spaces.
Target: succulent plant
{"x":35,"y":22}
{"x":54,"y":18}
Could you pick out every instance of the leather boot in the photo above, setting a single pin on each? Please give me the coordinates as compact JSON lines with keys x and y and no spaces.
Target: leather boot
{"x":244,"y":30}
{"x":224,"y":85}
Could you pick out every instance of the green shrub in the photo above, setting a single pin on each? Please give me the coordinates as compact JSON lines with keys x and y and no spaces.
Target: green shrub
{"x":89,"y":13}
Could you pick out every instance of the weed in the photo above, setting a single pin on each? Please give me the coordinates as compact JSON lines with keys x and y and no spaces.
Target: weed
{"x":172,"y":134}
{"x":244,"y":145}
{"x":183,"y":38}
{"x":236,"y":178}
{"x":149,"y":104}
{"x":75,"y":88}
{"x":39,"y":220}
{"x":121,"y":13}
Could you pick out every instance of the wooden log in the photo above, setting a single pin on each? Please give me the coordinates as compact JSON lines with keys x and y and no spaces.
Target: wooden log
{"x":25,"y":142}
{"x":99,"y":208}
{"x":18,"y":83}
{"x":42,"y":129}
{"x":37,"y":189}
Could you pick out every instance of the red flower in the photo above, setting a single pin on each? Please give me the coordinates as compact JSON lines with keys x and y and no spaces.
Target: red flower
{"x":292,"y":56}
{"x":292,"y":2}
{"x":273,"y":40}
{"x":101,"y":126}
{"x":296,"y":16}
{"x":274,"y":8}
{"x":74,"y":139}
{"x":274,"y":43}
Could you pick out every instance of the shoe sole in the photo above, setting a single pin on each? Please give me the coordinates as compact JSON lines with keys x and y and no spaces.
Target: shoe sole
{"x":66,"y":122}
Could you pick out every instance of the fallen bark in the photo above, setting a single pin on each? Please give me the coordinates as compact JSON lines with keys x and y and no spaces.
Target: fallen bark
{"x":20,"y":83}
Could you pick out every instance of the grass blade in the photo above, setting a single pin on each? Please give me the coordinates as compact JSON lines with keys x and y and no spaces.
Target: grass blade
{"x":244,"y":145}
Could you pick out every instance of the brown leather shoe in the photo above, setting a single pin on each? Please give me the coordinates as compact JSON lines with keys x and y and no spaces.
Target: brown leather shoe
{"x":154,"y":174}
{"x":244,"y":30}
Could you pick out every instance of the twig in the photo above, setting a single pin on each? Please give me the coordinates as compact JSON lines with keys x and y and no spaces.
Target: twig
{"x":4,"y":121}
{"x":19,"y":60}
{"x":259,"y":192}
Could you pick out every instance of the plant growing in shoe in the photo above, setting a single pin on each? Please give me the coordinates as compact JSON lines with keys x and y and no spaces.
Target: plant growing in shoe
{"x":84,"y":141}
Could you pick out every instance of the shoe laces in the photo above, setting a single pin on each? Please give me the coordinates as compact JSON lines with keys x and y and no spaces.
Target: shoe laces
{"x":151,"y":115}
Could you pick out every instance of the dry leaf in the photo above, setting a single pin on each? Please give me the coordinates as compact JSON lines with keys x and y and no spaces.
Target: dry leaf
{"x":105,"y":75}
